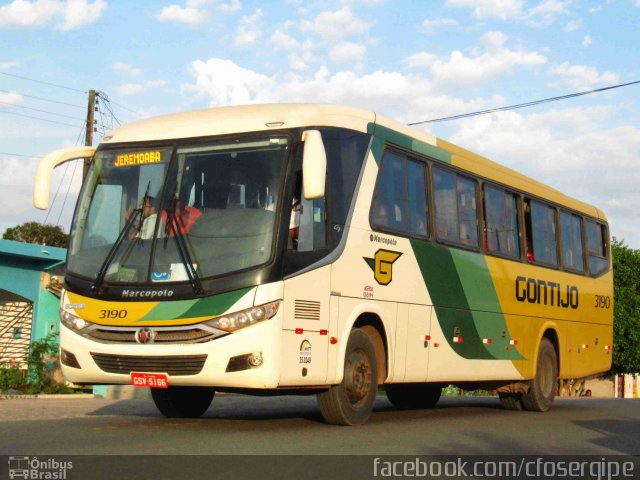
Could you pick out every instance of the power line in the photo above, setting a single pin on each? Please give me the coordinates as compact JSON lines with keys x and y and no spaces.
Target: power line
{"x":107,"y":105}
{"x":38,"y":118}
{"x":79,"y":141}
{"x":44,"y":99}
{"x":73,"y":174}
{"x":19,"y":155}
{"x":128,"y":109}
{"x":38,"y":110}
{"x":522,"y":105}
{"x":44,"y":83}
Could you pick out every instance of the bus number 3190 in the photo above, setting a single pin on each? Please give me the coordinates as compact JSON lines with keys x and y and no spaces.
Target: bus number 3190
{"x":113,"y":314}
{"x":603,"y":301}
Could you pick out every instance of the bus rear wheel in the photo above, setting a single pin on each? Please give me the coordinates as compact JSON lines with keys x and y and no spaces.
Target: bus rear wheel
{"x":182,"y":402}
{"x":543,"y":388}
{"x":351,"y":402}
{"x":511,"y":401}
{"x":413,"y":395}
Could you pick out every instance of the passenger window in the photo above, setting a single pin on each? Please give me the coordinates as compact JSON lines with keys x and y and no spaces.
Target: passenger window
{"x":418,"y":198}
{"x":543,"y":232}
{"x":501,"y":222}
{"x":572,"y":256}
{"x":446,"y":205}
{"x":400,"y":199}
{"x":597,"y":245}
{"x":388,"y":210}
{"x":456,"y":209}
{"x":467,"y":212}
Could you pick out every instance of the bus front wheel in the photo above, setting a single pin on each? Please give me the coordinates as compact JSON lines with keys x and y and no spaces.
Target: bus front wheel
{"x":182,"y":402}
{"x":543,"y":388}
{"x":351,"y":402}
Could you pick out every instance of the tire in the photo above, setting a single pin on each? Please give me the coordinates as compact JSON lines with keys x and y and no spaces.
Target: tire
{"x":414,"y":395}
{"x":543,"y":388}
{"x":511,"y":401}
{"x":351,"y":402}
{"x":182,"y":402}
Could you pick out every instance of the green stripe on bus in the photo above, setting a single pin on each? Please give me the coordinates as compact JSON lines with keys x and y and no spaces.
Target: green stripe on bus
{"x":483,"y":301}
{"x":213,"y":306}
{"x":443,"y":282}
{"x":465,"y":299}
{"x":384,"y":134}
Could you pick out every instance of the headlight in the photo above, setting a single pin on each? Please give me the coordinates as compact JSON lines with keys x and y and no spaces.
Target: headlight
{"x":72,"y":321}
{"x":245,"y":318}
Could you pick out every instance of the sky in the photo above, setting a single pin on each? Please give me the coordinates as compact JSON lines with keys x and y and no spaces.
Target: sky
{"x":410,"y":60}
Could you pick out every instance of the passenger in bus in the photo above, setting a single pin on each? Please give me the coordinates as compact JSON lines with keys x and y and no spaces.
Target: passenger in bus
{"x":149,"y":217}
{"x":294,"y":224}
{"x":185,"y":216}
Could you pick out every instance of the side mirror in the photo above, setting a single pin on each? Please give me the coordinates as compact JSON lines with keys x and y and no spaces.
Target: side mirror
{"x":42,"y":182}
{"x":314,"y":165}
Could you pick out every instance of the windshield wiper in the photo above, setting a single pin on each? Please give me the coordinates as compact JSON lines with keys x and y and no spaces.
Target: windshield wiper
{"x":183,"y":250}
{"x":97,"y":284}
{"x":114,"y":249}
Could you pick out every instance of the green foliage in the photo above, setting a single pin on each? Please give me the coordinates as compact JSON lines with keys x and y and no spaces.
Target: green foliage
{"x":34,"y":232}
{"x":40,"y":363}
{"x":11,"y":377}
{"x":626,"y":323}
{"x":453,"y":391}
{"x":37,"y":378}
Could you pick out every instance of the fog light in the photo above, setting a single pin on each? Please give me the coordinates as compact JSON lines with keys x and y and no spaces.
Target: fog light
{"x":255,"y":359}
{"x":244,"y":362}
{"x":68,"y":359}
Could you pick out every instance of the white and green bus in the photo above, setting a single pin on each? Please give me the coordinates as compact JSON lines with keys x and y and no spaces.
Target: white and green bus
{"x":325,"y":250}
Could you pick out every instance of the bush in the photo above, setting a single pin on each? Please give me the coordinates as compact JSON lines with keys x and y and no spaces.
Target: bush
{"x":11,"y":376}
{"x":37,"y":377}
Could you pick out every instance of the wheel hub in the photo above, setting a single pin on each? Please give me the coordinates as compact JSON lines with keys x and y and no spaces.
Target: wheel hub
{"x":358,"y":377}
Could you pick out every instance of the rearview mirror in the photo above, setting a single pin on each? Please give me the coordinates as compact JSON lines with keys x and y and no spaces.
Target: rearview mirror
{"x":42,"y":182}
{"x":314,"y":165}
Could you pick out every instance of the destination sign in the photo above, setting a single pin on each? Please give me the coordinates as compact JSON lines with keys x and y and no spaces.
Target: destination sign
{"x":139,"y":158}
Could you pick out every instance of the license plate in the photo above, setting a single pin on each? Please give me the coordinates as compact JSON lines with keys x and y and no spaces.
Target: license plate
{"x":154,"y":380}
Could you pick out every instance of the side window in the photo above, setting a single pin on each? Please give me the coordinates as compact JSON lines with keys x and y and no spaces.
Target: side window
{"x":444,"y":194}
{"x":543,"y":223}
{"x":597,"y":245}
{"x":467,"y":211}
{"x":390,"y":197}
{"x":501,"y":222}
{"x":400,"y":199}
{"x":455,"y":207}
{"x":572,"y":256}
{"x":419,"y":223}
{"x":312,"y":232}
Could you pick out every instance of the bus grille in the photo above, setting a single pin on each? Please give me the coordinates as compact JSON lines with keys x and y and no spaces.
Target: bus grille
{"x":306,"y":310}
{"x":193,"y":335}
{"x":172,"y":365}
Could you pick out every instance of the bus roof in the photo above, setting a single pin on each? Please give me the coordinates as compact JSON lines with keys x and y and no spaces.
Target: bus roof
{"x":253,"y":118}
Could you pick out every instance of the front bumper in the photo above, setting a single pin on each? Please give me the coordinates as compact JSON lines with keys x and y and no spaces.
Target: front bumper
{"x":180,"y":362}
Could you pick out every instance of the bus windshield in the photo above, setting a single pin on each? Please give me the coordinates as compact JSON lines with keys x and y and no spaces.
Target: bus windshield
{"x":146,"y":213}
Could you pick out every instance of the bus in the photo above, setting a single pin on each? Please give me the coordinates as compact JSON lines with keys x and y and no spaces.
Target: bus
{"x":325,"y":250}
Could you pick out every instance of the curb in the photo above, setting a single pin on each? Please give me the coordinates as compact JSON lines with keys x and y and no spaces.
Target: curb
{"x":47,"y":396}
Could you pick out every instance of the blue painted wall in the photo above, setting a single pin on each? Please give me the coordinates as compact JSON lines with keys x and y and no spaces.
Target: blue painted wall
{"x":21,"y":268}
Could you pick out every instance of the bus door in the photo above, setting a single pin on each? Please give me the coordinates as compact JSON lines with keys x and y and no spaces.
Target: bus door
{"x":413,"y":343}
{"x":306,"y":298}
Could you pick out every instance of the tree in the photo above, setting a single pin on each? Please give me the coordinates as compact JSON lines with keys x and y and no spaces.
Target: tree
{"x":34,"y":232}
{"x":626,"y":313}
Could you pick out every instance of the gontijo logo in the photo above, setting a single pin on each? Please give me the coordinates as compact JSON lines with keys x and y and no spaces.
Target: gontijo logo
{"x":382,"y":265}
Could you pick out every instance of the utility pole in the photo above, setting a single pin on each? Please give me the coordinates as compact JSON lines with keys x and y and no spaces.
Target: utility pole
{"x":88,"y":137}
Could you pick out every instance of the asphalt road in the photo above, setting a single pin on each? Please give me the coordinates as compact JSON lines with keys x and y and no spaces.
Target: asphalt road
{"x":292,"y":426}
